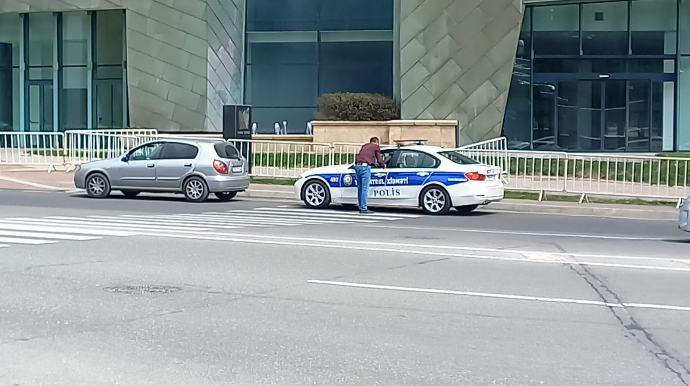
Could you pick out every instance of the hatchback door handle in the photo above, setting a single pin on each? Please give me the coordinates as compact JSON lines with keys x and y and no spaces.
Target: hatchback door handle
{"x":150,"y":165}
{"x":188,"y":165}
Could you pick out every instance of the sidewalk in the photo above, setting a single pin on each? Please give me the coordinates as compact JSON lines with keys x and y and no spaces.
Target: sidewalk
{"x":29,"y":178}
{"x":35,"y":178}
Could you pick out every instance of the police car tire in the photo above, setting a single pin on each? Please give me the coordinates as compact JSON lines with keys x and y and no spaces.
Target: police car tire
{"x":446,"y":206}
{"x":327,"y":197}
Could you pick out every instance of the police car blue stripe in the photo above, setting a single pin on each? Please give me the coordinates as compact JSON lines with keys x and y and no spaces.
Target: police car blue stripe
{"x":395,"y":178}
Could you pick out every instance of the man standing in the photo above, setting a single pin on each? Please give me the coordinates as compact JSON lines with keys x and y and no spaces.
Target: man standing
{"x":367,"y":155}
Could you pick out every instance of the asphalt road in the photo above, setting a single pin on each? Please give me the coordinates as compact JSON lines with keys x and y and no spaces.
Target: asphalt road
{"x":268,"y":293}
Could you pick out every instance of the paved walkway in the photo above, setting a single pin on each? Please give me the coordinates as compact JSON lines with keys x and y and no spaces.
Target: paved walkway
{"x":35,"y":177}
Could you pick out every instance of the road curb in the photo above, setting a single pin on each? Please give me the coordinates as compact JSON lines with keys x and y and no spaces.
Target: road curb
{"x":266,"y":193}
{"x":613,"y":211}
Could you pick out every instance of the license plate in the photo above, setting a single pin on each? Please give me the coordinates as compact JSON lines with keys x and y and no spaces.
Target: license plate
{"x":491,"y":178}
{"x":237,"y":169}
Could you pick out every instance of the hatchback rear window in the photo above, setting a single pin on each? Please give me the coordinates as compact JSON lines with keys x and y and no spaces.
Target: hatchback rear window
{"x":458,"y":158}
{"x":226,"y":150}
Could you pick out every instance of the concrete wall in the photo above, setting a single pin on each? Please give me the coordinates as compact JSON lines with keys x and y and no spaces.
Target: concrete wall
{"x":456,"y":62}
{"x":184,"y":57}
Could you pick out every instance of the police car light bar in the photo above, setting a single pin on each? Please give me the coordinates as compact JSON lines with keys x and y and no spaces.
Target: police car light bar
{"x":408,"y":142}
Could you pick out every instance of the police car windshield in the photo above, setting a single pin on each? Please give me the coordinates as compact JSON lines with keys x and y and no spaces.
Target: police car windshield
{"x":458,"y":158}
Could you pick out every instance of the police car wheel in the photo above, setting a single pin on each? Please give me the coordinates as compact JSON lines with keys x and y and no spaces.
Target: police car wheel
{"x":316,"y":195}
{"x":435,"y":200}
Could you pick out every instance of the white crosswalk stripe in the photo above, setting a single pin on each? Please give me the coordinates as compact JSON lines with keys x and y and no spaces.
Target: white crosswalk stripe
{"x":52,"y":229}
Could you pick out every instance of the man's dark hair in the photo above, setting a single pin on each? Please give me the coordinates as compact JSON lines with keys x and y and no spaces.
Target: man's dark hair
{"x":374,"y":140}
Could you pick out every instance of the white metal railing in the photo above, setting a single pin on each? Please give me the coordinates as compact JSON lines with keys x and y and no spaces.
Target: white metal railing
{"x":31,"y":148}
{"x":497,"y":144}
{"x":630,"y":176}
{"x":614,"y":175}
{"x":583,"y":174}
{"x":283,"y":159}
{"x":88,"y":145}
{"x":492,"y":152}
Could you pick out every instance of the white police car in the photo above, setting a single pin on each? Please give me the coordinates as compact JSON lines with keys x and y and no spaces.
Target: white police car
{"x":433,"y":178}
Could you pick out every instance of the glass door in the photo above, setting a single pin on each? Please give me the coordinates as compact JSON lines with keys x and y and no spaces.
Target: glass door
{"x":40,"y":106}
{"x":614,"y":115}
{"x":544,"y":116}
{"x":609,"y":115}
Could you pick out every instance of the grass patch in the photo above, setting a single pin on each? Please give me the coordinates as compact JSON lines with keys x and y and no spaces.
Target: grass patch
{"x":516,"y":195}
{"x":662,"y":171}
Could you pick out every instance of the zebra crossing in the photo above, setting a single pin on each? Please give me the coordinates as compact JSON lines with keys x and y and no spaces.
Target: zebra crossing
{"x":53,"y":229}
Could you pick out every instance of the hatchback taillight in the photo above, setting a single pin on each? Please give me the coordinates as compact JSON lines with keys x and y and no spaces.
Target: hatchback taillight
{"x":474,"y":176}
{"x":220,"y":166}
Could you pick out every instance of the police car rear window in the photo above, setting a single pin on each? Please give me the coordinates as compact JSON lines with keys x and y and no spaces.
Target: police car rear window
{"x":226,"y":150}
{"x":458,"y":158}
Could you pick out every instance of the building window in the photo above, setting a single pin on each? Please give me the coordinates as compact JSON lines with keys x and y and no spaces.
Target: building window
{"x":605,"y":28}
{"x":603,"y":77}
{"x":310,"y":47}
{"x":356,"y":67}
{"x":684,"y":113}
{"x":109,"y":52}
{"x":75,"y":57}
{"x":355,"y":15}
{"x":291,"y":15}
{"x":653,"y":27}
{"x":40,"y":87}
{"x":10,"y":38}
{"x":68,"y":80}
{"x":556,"y":30}
{"x":516,"y":124}
{"x":684,"y":27}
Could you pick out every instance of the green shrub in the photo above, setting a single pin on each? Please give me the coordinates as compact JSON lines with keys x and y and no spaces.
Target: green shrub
{"x":357,"y":107}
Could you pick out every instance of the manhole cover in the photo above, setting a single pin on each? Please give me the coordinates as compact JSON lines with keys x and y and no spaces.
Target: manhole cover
{"x":142,"y":289}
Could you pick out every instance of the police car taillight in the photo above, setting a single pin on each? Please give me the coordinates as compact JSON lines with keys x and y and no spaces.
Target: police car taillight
{"x":474,"y":176}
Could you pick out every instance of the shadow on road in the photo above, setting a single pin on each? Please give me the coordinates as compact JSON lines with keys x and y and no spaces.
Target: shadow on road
{"x":154,"y":197}
{"x":677,"y":241}
{"x":400,"y":210}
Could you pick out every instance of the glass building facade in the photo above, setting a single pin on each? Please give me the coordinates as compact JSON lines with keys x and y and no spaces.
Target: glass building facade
{"x":609,"y":76}
{"x":306,"y":48}
{"x":570,"y":75}
{"x":62,"y":71}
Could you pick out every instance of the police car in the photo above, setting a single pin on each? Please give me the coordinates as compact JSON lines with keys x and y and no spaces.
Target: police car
{"x":433,"y":178}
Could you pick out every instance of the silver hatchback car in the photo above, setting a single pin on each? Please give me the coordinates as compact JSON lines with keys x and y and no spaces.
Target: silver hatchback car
{"x":194,"y":167}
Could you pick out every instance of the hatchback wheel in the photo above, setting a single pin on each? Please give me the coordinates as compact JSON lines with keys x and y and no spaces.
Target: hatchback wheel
{"x":130,"y":193}
{"x":435,"y":200}
{"x":225,"y":196}
{"x":195,"y":189}
{"x":316,"y":195}
{"x":98,"y":186}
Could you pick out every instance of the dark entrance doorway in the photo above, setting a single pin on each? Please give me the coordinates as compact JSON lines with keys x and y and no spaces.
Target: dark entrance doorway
{"x":600,"y":112}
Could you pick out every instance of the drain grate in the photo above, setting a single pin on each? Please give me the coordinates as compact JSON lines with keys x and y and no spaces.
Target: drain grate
{"x":142,"y":289}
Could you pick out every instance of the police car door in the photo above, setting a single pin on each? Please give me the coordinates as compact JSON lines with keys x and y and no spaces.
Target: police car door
{"x":412,"y":170}
{"x":349,"y":191}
